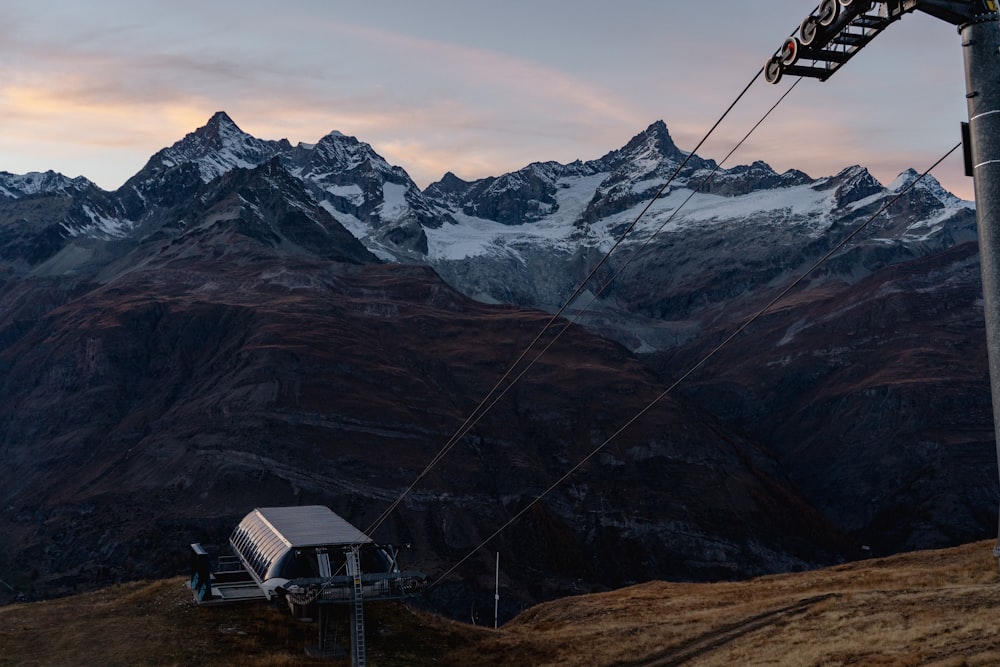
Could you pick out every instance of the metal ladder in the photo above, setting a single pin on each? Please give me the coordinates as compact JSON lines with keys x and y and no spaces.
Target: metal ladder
{"x":357,"y":612}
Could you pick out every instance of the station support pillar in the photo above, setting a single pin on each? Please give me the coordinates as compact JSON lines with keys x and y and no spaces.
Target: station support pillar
{"x":981,"y":47}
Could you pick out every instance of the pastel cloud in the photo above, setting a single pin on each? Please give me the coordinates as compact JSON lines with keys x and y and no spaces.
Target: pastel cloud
{"x":110,"y":82}
{"x":112,"y":95}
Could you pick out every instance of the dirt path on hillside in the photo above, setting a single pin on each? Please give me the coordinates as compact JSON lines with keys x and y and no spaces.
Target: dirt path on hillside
{"x":711,"y":641}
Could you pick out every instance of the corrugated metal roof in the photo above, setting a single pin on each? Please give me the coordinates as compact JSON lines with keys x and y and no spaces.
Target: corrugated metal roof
{"x":310,"y":526}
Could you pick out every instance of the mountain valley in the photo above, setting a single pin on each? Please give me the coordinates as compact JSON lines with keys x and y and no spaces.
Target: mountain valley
{"x":249,"y":323}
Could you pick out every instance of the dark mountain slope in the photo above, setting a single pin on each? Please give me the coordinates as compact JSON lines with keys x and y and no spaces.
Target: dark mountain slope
{"x":875,"y":398}
{"x":249,"y":352}
{"x":179,"y":395}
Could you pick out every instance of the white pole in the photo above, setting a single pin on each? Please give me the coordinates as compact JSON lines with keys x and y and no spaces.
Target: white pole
{"x":496,"y":596}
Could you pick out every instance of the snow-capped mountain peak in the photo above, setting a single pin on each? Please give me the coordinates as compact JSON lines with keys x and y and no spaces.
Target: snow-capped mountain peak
{"x":356,"y":185}
{"x":655,"y":141}
{"x":851,"y":185}
{"x":217,"y":147}
{"x":928,"y":184}
{"x":338,"y":153}
{"x":15,"y":186}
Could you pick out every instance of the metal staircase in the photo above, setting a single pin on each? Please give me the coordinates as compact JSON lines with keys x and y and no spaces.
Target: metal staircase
{"x":357,"y":611}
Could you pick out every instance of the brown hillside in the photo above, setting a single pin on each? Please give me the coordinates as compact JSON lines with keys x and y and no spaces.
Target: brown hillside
{"x":924,"y":608}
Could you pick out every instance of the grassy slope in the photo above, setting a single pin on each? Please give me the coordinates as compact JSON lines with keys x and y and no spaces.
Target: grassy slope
{"x":157,"y":623}
{"x":926,"y":608}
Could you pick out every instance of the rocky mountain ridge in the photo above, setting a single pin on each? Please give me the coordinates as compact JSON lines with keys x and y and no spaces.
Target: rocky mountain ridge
{"x":473,"y":232}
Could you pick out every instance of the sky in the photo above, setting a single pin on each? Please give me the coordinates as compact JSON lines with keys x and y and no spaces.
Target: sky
{"x":473,"y":87}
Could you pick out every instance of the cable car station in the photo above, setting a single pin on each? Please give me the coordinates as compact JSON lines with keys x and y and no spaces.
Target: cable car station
{"x":308,"y":558}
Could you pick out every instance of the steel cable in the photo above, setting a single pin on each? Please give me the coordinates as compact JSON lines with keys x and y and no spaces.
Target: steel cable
{"x":760,"y":313}
{"x":495,"y":394}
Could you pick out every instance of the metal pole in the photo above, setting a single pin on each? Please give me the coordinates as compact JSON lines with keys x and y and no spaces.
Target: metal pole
{"x":981,"y":44}
{"x":496,"y":596}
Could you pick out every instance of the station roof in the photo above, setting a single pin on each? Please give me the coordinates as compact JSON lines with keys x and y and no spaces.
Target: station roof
{"x":309,"y":526}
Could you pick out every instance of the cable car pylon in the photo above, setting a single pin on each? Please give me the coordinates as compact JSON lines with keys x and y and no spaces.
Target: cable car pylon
{"x":837,"y":29}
